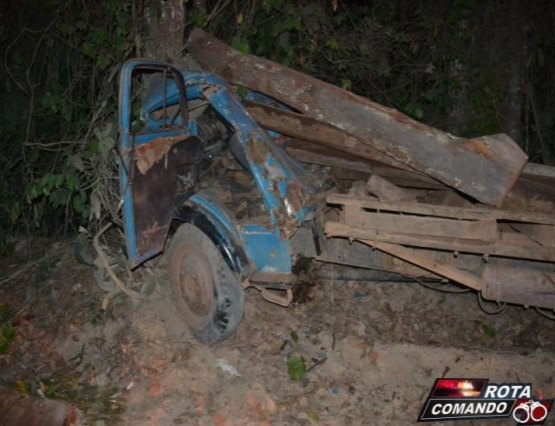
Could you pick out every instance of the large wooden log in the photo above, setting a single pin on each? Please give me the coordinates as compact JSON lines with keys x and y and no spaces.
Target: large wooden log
{"x":484,"y":168}
{"x":535,"y":188}
{"x":18,"y":409}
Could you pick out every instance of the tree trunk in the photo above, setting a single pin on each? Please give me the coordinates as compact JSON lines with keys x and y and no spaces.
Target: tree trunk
{"x":165,"y":25}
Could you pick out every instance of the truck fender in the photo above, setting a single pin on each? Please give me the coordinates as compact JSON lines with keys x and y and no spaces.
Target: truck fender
{"x":230,"y":249}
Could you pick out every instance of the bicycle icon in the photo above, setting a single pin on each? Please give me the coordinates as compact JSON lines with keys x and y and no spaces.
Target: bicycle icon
{"x":530,"y":410}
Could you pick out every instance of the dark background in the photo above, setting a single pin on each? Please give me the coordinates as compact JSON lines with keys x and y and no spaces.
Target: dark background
{"x":469,"y":67}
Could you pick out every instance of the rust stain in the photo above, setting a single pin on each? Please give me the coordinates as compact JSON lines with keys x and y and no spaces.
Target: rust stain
{"x":479,"y":147}
{"x":294,"y":196}
{"x":256,"y":149}
{"x":150,"y":153}
{"x":406,"y":120}
{"x":153,"y":234}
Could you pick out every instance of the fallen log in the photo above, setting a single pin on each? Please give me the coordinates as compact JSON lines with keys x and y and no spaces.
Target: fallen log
{"x":18,"y":409}
{"x":535,"y":186}
{"x":484,"y":168}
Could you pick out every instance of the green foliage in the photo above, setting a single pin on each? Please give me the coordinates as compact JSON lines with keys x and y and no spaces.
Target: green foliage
{"x":7,"y":330}
{"x":61,"y":88}
{"x":75,"y":188}
{"x":296,"y":368}
{"x":441,"y":63}
{"x":270,"y":6}
{"x":241,"y":45}
{"x":296,"y":365}
{"x":488,"y":330}
{"x":98,"y":404}
{"x":7,"y":336}
{"x":241,"y":91}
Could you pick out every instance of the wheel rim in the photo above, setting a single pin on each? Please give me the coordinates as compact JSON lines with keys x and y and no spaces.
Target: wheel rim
{"x":195,"y":287}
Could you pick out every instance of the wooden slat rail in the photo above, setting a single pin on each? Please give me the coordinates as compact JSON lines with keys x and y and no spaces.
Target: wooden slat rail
{"x":507,"y":245}
{"x":442,"y":211}
{"x":481,"y":231}
{"x":441,"y":268}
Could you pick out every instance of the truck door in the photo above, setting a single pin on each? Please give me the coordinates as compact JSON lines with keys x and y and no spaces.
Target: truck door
{"x":154,"y":148}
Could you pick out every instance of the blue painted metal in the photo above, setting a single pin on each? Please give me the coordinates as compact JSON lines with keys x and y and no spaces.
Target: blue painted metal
{"x":125,"y":154}
{"x":127,"y":142}
{"x":264,"y":246}
{"x":232,"y":250}
{"x":224,"y":222}
{"x":269,"y":251}
{"x":275,"y":170}
{"x":254,"y":96}
{"x":283,"y":183}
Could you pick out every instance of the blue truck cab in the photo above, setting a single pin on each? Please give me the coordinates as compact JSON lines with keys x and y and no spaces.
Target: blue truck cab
{"x":195,"y":165}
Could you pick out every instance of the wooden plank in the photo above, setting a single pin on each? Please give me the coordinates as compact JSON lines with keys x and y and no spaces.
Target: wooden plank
{"x":512,"y":244}
{"x":475,"y":213}
{"x":484,"y":168}
{"x":508,"y":244}
{"x":425,"y":228}
{"x":445,"y":270}
{"x":302,"y":150}
{"x":300,"y":126}
{"x":329,"y":161}
{"x":536,"y":188}
{"x":386,"y":190}
{"x":525,"y":286}
{"x":539,"y":170}
{"x":349,"y":174}
{"x":542,"y":234}
{"x":356,"y":254}
{"x":452,"y":244}
{"x":445,"y":197}
{"x":532,"y":193}
{"x":408,"y":179}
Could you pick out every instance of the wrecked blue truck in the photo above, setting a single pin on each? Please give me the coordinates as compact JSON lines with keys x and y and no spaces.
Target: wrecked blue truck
{"x":192,"y":157}
{"x":203,"y":182}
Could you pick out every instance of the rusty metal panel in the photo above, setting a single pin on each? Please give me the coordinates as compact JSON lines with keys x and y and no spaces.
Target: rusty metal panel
{"x":485,"y":168}
{"x":147,"y":155}
{"x":153,"y":183}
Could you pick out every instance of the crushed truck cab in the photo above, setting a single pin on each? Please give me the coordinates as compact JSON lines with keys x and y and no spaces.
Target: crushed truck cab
{"x":191,"y":155}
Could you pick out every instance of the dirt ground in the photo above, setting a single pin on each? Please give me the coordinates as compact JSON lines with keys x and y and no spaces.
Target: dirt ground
{"x":372,"y":350}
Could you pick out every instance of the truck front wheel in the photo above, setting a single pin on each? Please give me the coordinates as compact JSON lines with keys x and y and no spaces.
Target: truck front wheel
{"x":207,"y":292}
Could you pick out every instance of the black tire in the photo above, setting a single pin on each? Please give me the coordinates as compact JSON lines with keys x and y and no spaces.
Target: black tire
{"x":207,"y":293}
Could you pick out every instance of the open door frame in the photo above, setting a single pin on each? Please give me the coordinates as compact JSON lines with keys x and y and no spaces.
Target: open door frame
{"x":148,"y":159}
